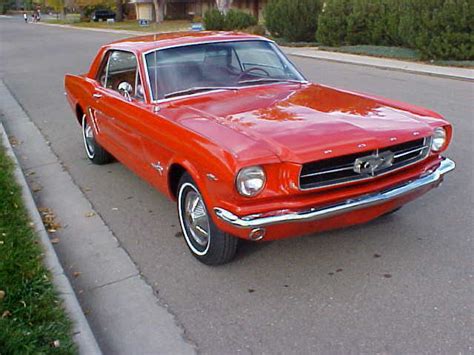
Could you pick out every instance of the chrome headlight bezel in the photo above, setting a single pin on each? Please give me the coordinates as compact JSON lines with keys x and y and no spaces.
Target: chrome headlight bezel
{"x":250,"y":181}
{"x":439,"y":139}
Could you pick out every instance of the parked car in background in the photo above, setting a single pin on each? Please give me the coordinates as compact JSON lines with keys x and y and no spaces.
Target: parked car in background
{"x":102,"y":15}
{"x":226,"y":125}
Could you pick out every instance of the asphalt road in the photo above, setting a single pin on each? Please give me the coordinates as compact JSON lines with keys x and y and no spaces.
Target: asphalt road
{"x":401,"y":284}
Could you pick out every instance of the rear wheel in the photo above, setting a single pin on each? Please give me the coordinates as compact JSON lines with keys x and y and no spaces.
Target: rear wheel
{"x":94,"y":151}
{"x":207,"y":243}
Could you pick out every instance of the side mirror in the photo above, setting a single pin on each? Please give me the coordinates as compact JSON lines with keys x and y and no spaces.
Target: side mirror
{"x":126,"y":90}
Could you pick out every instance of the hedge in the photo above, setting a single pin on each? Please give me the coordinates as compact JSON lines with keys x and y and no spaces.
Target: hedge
{"x":233,"y":20}
{"x":438,"y":29}
{"x":294,"y":20}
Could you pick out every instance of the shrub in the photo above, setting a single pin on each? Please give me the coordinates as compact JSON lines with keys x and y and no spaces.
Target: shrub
{"x":238,"y":20}
{"x":295,"y":20}
{"x":332,"y":22}
{"x":233,"y":20}
{"x":214,"y":20}
{"x":439,"y":29}
{"x":6,"y":5}
{"x":446,"y":30}
{"x":274,"y":12}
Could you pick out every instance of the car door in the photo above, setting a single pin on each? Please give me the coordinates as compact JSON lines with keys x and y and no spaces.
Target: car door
{"x":116,"y":112}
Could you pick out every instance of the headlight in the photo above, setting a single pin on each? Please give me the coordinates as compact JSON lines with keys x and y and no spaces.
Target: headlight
{"x":439,"y":139}
{"x":250,"y":181}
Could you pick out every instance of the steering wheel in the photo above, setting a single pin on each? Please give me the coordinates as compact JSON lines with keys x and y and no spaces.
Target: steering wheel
{"x":249,"y":70}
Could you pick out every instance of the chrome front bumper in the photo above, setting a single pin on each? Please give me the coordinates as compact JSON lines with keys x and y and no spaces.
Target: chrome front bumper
{"x":258,"y":221}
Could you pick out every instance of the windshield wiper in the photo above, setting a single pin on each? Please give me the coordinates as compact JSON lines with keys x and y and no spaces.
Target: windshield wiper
{"x":270,"y":80}
{"x":195,"y":90}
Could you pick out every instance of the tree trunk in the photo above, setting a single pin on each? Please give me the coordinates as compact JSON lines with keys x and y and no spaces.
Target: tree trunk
{"x":119,"y":7}
{"x":159,"y":6}
{"x":223,"y":5}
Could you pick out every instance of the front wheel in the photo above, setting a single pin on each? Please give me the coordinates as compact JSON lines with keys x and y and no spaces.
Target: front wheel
{"x":207,"y":243}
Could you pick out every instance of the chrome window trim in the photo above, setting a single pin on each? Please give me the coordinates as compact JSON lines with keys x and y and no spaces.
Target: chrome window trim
{"x":138,"y":71}
{"x":148,"y":83}
{"x":427,"y":146}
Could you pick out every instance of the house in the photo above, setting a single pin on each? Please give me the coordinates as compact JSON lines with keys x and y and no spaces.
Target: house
{"x":188,"y":9}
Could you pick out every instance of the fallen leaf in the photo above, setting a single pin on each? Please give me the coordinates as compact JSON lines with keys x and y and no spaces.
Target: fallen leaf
{"x":76,"y":273}
{"x":2,"y":295}
{"x":49,"y":219}
{"x":90,"y":214}
{"x":37,"y":189}
{"x":55,"y":240}
{"x":13,"y":141}
{"x":6,"y":314}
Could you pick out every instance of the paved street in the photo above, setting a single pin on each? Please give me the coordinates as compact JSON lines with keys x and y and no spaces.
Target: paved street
{"x":401,"y":284}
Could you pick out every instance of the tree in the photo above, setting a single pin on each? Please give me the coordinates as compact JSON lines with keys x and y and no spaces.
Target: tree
{"x":223,"y":5}
{"x":159,"y":6}
{"x":119,"y":10}
{"x":59,"y":6}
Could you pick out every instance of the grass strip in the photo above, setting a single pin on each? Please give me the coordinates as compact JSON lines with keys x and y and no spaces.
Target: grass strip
{"x":32,"y":320}
{"x":399,"y":53}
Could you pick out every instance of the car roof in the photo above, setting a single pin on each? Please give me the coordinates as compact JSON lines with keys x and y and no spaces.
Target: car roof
{"x":162,"y":40}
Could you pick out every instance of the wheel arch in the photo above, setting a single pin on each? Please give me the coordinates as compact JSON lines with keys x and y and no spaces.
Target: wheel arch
{"x":79,"y":113}
{"x":175,"y":172}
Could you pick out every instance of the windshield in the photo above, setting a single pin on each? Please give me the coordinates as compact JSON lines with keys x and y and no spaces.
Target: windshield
{"x":226,"y":65}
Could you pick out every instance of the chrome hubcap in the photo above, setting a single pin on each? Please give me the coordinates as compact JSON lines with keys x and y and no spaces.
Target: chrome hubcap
{"x":89,"y":138}
{"x":196,"y":219}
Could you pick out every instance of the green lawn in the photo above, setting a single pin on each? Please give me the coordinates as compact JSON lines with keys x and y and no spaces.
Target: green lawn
{"x":129,"y":25}
{"x":32,"y":320}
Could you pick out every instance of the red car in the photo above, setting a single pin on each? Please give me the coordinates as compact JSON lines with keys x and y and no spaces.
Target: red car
{"x":226,"y":125}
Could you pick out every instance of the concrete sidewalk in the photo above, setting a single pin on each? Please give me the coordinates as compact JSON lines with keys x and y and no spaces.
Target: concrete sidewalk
{"x":82,"y":333}
{"x":383,"y":63}
{"x":124,"y":314}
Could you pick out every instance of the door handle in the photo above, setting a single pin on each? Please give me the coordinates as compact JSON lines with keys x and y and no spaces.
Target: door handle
{"x":97,"y":95}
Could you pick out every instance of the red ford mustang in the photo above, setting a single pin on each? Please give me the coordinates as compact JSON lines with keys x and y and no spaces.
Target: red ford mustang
{"x":226,"y":125}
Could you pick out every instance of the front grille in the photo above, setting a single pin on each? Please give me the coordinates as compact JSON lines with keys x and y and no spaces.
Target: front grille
{"x":342,"y":169}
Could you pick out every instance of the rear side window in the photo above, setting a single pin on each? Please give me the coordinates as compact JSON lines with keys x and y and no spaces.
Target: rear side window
{"x":118,"y":67}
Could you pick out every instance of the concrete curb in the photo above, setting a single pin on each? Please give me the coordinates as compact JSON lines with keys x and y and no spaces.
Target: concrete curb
{"x":82,"y":333}
{"x":124,"y":314}
{"x":384,"y":63}
{"x":126,"y":32}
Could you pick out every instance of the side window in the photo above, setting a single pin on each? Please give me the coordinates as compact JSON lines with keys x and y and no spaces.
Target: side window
{"x":121,"y":67}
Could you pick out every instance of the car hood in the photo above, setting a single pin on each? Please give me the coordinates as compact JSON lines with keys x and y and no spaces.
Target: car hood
{"x":308,"y":122}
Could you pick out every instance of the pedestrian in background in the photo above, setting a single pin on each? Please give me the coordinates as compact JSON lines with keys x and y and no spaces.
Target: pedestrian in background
{"x":25,"y":16}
